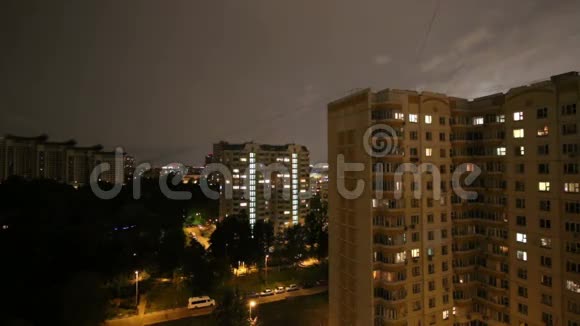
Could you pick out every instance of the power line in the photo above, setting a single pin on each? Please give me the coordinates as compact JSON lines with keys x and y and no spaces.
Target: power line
{"x":429,"y":27}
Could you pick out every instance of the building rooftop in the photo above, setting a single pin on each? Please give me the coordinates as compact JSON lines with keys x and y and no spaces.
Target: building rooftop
{"x":266,"y":147}
{"x":43,"y":139}
{"x":497,"y":98}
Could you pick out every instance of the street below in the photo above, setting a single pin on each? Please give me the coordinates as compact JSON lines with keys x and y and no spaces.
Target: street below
{"x":181,"y":313}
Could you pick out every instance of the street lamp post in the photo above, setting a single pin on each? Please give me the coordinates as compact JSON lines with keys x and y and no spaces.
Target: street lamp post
{"x":136,"y":288}
{"x":252,"y":305}
{"x":266,"y":267}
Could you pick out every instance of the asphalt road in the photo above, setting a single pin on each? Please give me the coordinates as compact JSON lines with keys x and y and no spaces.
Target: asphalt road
{"x":180,"y":313}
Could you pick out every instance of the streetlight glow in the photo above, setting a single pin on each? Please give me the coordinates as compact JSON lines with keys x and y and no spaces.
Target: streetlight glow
{"x":266,"y":267}
{"x":252,"y":305}
{"x":136,"y":288}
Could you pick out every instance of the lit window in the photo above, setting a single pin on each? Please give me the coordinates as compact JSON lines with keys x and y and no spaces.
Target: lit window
{"x":518,"y":116}
{"x":543,"y":186}
{"x":500,"y":151}
{"x":522,"y":255}
{"x":544,"y":131}
{"x":521,"y":237}
{"x":243,"y":204}
{"x":428,"y":119}
{"x":572,"y":286}
{"x":520,"y":150}
{"x":545,"y":242}
{"x":477,"y":121}
{"x":571,"y":187}
{"x":428,"y":151}
{"x":413,"y":118}
{"x":445,"y":314}
{"x":500,"y":118}
{"x":399,"y":116}
{"x":519,"y":133}
{"x":469,"y":167}
{"x":243,"y":159}
{"x":415,"y":253}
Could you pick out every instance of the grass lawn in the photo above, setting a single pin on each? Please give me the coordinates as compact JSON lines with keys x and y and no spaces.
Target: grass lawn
{"x":304,"y":311}
{"x":166,"y":296}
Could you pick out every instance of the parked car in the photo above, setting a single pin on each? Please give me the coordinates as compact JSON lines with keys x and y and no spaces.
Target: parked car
{"x":292,"y":287}
{"x":266,"y":293}
{"x":279,"y":289}
{"x":322,"y":282}
{"x":200,"y":302}
{"x":253,"y":295}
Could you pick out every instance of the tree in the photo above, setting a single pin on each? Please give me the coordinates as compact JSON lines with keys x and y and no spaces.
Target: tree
{"x":316,"y":224}
{"x":263,"y":239}
{"x":73,"y":251}
{"x":232,"y":241}
{"x":232,"y":310}
{"x":295,"y":242}
{"x":197,"y":268}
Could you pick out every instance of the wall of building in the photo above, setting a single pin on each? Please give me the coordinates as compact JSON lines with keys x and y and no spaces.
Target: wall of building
{"x":508,"y":257}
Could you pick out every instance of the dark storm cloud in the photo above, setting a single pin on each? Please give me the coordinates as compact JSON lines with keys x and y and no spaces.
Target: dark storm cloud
{"x":168,"y":78}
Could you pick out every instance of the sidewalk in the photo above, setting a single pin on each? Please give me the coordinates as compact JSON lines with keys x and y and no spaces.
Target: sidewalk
{"x":174,"y":314}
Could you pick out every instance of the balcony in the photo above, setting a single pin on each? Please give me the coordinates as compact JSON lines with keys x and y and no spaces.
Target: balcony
{"x":399,"y":320}
{"x":466,"y":235}
{"x":384,"y":241}
{"x":494,"y":271}
{"x":466,"y":251}
{"x":390,"y":227}
{"x":393,"y":300}
{"x":463,"y":268}
{"x":389,"y":263}
{"x":390,"y":283}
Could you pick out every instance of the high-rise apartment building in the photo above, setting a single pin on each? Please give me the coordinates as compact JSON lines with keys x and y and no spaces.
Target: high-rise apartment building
{"x":279,"y":197}
{"x":510,"y":256}
{"x":36,"y":157}
{"x":319,"y":180}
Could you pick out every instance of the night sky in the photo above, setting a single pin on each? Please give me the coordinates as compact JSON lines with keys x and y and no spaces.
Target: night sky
{"x":166,"y":79}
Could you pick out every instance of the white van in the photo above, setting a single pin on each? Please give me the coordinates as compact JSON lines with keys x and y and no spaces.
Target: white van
{"x":200,"y":302}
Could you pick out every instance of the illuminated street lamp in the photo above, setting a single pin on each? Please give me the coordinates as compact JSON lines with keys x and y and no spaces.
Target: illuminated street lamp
{"x":266,"y":267}
{"x":136,"y":288}
{"x":252,"y":305}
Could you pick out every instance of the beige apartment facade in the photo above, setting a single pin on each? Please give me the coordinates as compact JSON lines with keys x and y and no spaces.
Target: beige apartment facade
{"x":511,"y":256}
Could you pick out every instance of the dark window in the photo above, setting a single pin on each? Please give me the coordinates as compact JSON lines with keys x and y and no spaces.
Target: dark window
{"x":542,"y":113}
